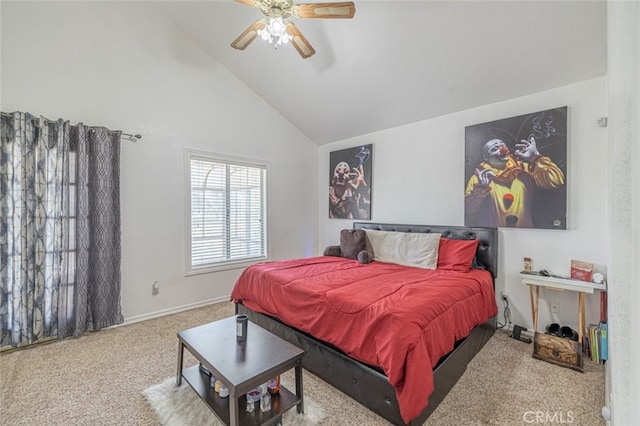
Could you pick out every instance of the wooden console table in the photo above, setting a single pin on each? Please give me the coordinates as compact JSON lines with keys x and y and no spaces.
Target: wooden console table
{"x":554,"y":349}
{"x":559,"y":284}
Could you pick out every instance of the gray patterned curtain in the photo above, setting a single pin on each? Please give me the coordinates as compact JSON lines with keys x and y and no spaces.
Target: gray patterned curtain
{"x":60,"y":229}
{"x":96,"y":299}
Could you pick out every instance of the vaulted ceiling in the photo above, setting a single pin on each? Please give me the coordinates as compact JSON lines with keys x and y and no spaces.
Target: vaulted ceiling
{"x":398,"y":62}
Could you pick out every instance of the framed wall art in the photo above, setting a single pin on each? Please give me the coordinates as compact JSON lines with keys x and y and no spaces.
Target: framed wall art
{"x":516,"y":171}
{"x":350,"y":183}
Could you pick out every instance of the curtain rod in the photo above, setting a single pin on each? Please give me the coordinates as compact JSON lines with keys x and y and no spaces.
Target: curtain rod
{"x":130,"y":136}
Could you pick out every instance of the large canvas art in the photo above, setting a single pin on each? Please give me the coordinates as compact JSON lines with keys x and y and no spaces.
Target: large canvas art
{"x":515,"y":171}
{"x":350,"y":183}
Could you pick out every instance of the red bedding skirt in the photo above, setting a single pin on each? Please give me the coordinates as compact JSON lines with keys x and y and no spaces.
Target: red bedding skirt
{"x":399,"y":318}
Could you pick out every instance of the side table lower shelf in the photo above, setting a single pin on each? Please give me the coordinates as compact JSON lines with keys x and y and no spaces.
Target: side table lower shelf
{"x":280,"y":403}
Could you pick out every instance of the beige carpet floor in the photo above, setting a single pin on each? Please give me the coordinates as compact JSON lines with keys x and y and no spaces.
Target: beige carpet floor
{"x":99,"y":379}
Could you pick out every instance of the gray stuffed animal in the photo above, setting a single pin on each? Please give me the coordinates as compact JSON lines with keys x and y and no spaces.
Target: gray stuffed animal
{"x":354,"y":244}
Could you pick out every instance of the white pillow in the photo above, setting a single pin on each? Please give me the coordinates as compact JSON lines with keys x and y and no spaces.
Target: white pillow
{"x":416,"y":249}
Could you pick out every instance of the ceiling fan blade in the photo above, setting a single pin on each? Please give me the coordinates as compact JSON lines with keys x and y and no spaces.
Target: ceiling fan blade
{"x":299,"y":41}
{"x":325,"y":10}
{"x":248,"y":35}
{"x":252,"y":3}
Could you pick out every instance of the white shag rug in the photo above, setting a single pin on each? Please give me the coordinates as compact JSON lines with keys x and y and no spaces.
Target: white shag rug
{"x":181,"y":406}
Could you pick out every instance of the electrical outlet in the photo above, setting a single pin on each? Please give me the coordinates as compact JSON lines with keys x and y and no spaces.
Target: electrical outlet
{"x":155,"y":288}
{"x":505,"y":295}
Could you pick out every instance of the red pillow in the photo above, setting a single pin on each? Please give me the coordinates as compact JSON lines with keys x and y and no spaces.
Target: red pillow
{"x":456,"y":255}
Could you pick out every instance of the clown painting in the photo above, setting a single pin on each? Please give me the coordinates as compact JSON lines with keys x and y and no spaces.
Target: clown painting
{"x":350,"y":183}
{"x":515,"y":171}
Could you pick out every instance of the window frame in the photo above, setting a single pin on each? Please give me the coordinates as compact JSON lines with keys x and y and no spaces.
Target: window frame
{"x":190,"y":155}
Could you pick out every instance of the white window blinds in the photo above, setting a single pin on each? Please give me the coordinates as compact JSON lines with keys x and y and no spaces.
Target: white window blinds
{"x":227,"y":212}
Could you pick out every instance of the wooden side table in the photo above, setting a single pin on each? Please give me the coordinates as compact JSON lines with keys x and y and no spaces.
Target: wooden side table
{"x":554,"y":349}
{"x":241,"y":366}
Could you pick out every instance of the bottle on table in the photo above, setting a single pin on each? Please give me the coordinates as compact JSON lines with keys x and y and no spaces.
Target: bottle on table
{"x":265,"y":402}
{"x":273,"y":386}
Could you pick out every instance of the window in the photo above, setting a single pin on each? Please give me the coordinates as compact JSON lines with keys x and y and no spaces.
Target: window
{"x":226,"y":213}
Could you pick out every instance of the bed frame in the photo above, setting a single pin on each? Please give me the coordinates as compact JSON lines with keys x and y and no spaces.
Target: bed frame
{"x":367,"y":384}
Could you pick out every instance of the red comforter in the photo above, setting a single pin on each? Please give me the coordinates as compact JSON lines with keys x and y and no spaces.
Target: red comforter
{"x":399,"y":318}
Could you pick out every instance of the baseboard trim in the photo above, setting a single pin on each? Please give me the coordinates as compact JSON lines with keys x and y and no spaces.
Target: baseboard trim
{"x":173,"y":310}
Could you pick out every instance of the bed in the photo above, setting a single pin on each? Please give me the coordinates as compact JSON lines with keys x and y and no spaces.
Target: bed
{"x":402,"y":380}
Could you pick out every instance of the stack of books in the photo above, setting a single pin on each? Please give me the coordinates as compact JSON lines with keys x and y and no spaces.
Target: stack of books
{"x":596,"y":344}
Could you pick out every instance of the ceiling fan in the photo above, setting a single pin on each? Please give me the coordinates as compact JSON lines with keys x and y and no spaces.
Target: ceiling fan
{"x":276,"y":29}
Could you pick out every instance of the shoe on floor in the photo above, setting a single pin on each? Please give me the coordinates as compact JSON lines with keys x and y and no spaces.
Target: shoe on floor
{"x":553,"y":329}
{"x":568,"y":333}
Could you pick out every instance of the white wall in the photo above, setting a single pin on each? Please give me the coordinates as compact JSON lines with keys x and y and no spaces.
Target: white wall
{"x":418,"y":178}
{"x":623,"y":58}
{"x":123,"y":66}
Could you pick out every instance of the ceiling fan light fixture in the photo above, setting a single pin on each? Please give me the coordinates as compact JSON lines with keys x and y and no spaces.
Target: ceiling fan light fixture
{"x":275,"y":32}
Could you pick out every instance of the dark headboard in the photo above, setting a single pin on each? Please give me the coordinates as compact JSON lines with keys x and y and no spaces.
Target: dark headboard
{"x":487,"y":253}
